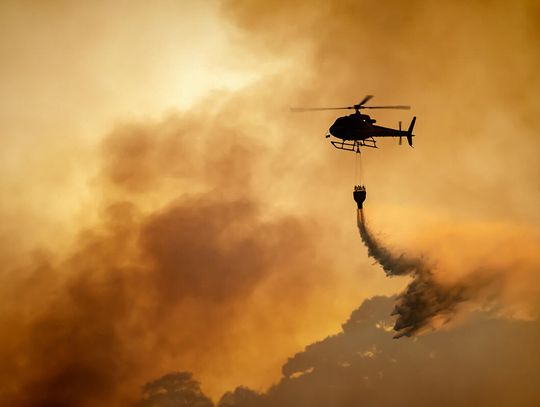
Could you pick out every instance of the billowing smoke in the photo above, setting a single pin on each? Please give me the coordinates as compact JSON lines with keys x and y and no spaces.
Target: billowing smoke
{"x":425,"y":299}
{"x":180,"y":249}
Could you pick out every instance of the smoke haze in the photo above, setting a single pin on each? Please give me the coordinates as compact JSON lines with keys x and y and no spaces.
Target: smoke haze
{"x":162,"y":210}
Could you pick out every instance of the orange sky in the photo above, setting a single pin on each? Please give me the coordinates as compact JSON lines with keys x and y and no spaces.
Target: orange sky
{"x":158,"y":196}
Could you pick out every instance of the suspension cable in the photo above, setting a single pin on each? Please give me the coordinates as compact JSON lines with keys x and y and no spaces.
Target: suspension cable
{"x":358,"y":172}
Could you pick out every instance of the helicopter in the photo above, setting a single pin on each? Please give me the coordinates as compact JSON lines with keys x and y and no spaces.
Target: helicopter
{"x":359,"y":130}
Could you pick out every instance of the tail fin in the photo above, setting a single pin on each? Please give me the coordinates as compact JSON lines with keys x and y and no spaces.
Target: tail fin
{"x":409,"y":132}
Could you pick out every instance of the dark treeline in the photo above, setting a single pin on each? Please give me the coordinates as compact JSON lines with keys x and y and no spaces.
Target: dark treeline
{"x":486,"y":361}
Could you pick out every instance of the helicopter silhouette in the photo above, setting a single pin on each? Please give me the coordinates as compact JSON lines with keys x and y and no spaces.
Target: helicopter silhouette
{"x":358,"y":130}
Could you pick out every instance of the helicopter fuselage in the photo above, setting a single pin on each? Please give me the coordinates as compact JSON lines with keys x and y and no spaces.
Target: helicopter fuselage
{"x":358,"y":130}
{"x":358,"y":126}
{"x":361,"y":131}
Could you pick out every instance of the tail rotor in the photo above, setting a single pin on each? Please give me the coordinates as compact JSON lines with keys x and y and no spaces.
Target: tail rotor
{"x":409,"y":131}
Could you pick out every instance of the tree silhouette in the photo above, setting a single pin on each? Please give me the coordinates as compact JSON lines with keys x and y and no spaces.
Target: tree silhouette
{"x":177,"y":389}
{"x":242,"y":397}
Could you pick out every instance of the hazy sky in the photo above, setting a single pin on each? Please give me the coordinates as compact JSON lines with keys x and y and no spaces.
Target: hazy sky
{"x":161,"y":209}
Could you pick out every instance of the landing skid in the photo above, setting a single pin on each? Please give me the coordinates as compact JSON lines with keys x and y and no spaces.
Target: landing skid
{"x":354,"y":145}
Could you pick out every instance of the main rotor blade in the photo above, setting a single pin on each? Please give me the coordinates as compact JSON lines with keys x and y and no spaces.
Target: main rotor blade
{"x":365,"y":100}
{"x":312,"y":109}
{"x":387,"y":107}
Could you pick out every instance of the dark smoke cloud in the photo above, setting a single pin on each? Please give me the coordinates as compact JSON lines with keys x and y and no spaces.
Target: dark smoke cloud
{"x":485,"y":361}
{"x":150,"y":285}
{"x":425,"y":298}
